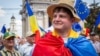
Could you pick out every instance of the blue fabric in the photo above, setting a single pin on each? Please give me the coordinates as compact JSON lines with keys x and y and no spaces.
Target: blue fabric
{"x":30,"y":12}
{"x":3,"y":30}
{"x":81,"y":9}
{"x":76,"y":27}
{"x":80,"y":47}
{"x":97,"y":22}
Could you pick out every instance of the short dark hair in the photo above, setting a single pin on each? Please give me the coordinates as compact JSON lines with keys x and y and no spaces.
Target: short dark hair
{"x":66,"y":10}
{"x":92,"y":34}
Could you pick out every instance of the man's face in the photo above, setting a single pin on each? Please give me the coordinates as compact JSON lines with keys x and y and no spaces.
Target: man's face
{"x":9,"y":42}
{"x":30,"y":39}
{"x":96,"y":38}
{"x":61,"y":20}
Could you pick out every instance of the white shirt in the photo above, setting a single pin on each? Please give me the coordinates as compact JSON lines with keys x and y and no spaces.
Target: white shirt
{"x":26,"y":49}
{"x":97,"y":46}
{"x":65,"y":40}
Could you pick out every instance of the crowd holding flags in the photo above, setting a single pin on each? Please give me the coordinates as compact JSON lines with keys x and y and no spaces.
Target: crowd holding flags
{"x":83,"y":11}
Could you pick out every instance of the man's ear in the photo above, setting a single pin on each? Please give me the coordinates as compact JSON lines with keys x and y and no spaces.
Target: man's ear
{"x":72,"y":20}
{"x":3,"y":41}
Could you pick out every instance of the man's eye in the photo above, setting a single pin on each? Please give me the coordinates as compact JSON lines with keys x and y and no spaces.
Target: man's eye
{"x":62,"y":16}
{"x":54,"y":16}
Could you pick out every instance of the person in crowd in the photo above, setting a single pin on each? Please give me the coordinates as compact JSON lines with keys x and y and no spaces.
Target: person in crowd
{"x":96,"y":44}
{"x":92,"y":35}
{"x":9,"y":43}
{"x":21,"y":42}
{"x":26,"y":49}
{"x":63,"y":40}
{"x":1,"y":44}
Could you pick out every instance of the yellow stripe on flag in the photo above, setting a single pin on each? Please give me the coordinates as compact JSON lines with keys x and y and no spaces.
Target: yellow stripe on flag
{"x":33,"y":23}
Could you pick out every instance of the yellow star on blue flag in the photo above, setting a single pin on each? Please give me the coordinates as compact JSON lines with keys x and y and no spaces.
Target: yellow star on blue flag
{"x":81,"y":9}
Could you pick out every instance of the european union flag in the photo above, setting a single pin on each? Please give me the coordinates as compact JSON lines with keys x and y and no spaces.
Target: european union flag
{"x":81,"y":9}
{"x":3,"y":30}
{"x":76,"y":27}
{"x":97,"y":22}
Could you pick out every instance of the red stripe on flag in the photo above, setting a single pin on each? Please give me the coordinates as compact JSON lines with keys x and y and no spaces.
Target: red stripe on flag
{"x":37,"y":36}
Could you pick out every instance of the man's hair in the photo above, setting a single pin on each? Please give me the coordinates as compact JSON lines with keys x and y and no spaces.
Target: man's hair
{"x":66,"y":10}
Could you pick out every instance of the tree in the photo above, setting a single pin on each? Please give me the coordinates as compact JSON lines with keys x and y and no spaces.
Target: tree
{"x":94,"y":10}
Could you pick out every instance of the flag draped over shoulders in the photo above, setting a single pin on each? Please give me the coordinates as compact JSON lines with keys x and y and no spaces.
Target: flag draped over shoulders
{"x":80,"y":47}
{"x":51,"y":46}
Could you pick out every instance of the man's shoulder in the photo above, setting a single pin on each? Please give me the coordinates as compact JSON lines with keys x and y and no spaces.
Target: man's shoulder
{"x":79,"y":40}
{"x":1,"y":47}
{"x":2,"y":52}
{"x":24,"y":45}
{"x":16,"y":51}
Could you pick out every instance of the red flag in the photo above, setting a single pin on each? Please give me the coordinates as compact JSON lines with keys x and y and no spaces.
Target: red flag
{"x":51,"y":46}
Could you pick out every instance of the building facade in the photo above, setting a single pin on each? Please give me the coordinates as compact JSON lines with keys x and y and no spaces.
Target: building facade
{"x":39,"y":8}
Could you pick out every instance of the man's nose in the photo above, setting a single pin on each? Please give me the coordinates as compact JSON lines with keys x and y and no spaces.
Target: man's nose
{"x":57,"y":18}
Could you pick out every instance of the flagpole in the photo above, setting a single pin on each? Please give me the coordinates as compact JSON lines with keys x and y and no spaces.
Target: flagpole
{"x":93,"y":30}
{"x":94,"y":4}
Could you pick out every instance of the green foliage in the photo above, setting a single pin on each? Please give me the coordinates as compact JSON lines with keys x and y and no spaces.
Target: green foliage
{"x":94,"y":10}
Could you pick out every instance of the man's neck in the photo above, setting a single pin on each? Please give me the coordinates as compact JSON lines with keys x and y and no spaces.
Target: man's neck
{"x":10,"y":49}
{"x":30,"y":43}
{"x":63,"y":33}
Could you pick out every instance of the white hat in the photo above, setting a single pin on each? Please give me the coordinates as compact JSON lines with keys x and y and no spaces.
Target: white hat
{"x":29,"y":33}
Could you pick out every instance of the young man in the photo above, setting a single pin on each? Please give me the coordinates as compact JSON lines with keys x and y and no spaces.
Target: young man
{"x":63,"y":41}
{"x":9,"y":43}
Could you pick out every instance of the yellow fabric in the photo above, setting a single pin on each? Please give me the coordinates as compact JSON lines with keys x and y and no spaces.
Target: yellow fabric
{"x":72,"y":34}
{"x":33,"y":23}
{"x":99,"y":26}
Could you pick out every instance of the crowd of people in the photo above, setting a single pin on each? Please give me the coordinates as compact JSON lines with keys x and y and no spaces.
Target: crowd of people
{"x":15,"y":46}
{"x":95,"y":40}
{"x":10,"y":45}
{"x":62,"y":41}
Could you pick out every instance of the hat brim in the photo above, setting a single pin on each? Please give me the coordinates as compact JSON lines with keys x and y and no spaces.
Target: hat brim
{"x":10,"y":37}
{"x":51,"y":8}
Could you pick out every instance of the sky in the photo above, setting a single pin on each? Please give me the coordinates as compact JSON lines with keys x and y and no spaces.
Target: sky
{"x":6,"y":14}
{"x":15,"y":5}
